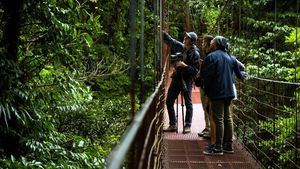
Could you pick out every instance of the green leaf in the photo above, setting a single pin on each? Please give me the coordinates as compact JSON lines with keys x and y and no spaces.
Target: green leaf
{"x":71,"y":3}
{"x":294,"y":36}
{"x":89,"y":40}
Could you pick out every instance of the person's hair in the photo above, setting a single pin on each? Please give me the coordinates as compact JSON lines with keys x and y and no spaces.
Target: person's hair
{"x":207,"y":38}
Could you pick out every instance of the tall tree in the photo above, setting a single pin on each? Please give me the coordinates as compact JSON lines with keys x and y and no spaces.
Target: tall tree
{"x":9,"y":76}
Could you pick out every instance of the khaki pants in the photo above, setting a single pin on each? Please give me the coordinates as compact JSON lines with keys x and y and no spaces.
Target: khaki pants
{"x":205,"y":105}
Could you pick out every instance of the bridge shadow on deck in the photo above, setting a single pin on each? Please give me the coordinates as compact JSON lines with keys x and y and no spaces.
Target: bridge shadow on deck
{"x":185,"y":151}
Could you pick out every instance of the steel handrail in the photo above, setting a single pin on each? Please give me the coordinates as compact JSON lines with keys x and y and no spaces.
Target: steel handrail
{"x":120,"y":151}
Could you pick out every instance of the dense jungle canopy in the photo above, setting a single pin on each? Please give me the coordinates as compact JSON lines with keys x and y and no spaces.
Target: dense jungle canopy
{"x":65,"y":69}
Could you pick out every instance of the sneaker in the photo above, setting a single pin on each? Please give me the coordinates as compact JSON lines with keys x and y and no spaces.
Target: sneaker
{"x":228,"y":149}
{"x":209,"y":146}
{"x":212,"y":150}
{"x":171,"y":128}
{"x":186,"y":129}
{"x":205,"y":131}
{"x":206,"y":135}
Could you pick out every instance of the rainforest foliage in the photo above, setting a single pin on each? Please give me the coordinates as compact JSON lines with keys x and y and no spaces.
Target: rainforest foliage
{"x":64,"y":80}
{"x":64,"y":68}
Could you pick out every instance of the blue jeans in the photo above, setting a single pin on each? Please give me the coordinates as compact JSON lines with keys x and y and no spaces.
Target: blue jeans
{"x":173,"y":92}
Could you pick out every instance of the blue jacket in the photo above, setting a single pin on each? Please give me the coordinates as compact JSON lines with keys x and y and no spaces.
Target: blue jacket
{"x":192,"y":57}
{"x":217,"y":76}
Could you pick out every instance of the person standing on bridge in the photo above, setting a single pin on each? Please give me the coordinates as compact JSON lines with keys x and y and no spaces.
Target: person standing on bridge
{"x":186,"y":66}
{"x":204,"y":100}
{"x":237,"y":66}
{"x":217,"y":82}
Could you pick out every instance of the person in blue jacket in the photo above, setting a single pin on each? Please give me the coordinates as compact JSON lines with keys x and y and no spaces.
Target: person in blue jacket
{"x":186,"y":67}
{"x":237,"y":66}
{"x":217,"y":78}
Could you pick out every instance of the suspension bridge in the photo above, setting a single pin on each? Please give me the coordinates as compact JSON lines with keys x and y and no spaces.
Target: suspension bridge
{"x":260,"y":133}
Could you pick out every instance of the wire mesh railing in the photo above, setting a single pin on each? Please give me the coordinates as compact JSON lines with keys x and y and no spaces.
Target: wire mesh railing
{"x":141,"y":145}
{"x":267,"y":121}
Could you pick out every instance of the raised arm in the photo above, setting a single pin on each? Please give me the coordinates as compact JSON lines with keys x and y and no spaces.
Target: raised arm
{"x":174,"y":44}
{"x":236,"y":68}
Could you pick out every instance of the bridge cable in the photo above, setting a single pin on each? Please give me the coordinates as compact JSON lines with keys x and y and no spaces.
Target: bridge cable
{"x":239,"y":24}
{"x":297,"y":125}
{"x":297,"y":44}
{"x":274,"y":75}
{"x":155,"y":41}
{"x":132,"y":53}
{"x":297,"y":23}
{"x":193,"y":18}
{"x":275,"y":41}
{"x":142,"y":51}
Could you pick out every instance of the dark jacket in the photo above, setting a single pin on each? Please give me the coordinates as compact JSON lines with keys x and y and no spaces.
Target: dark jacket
{"x":192,"y":57}
{"x":217,"y":75}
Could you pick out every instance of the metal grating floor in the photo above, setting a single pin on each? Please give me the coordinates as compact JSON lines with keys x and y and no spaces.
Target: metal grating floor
{"x":185,"y":151}
{"x":187,"y":154}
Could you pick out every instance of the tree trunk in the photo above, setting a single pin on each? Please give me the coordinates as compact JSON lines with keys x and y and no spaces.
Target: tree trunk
{"x":12,"y":15}
{"x":9,"y":140}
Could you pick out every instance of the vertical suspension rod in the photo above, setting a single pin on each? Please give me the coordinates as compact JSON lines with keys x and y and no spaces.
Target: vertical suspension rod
{"x":132,"y":53}
{"x":142,"y":50}
{"x":273,"y":84}
{"x":297,"y":124}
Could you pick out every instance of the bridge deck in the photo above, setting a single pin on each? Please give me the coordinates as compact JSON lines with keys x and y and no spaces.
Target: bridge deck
{"x":185,"y":151}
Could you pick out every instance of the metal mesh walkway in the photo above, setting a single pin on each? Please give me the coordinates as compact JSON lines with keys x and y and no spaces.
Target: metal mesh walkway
{"x":184,"y":151}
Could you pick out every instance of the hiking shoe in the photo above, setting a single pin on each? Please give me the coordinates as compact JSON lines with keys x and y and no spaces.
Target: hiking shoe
{"x":186,"y":129}
{"x":206,"y":135}
{"x":212,"y":150}
{"x":204,"y":132}
{"x":228,"y":149}
{"x":171,"y":128}
{"x":209,"y":146}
